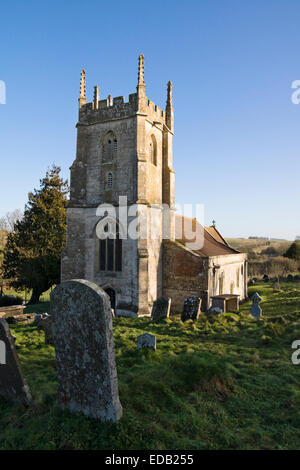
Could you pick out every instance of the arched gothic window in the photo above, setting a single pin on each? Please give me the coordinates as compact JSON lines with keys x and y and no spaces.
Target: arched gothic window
{"x":153,"y":150}
{"x":110,"y":251}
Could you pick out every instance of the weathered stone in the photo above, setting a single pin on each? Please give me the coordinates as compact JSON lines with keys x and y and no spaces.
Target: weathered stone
{"x":146,"y":341}
{"x":46,"y":324}
{"x":84,"y":346}
{"x":28,"y":318}
{"x":191,"y":308}
{"x":124,"y":150}
{"x":161,"y":308}
{"x":227,"y":302}
{"x":11,"y":311}
{"x":37,"y":318}
{"x":13,"y":386}
{"x":255,"y":309}
{"x":40,"y":316}
{"x":214,"y":310}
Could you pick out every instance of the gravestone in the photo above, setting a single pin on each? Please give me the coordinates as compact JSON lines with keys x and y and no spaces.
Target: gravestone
{"x":46,"y":324}
{"x":161,"y":308}
{"x":84,"y":346}
{"x":191,"y":308}
{"x":13,"y":386}
{"x":255,"y":309}
{"x":146,"y":341}
{"x":215,"y":310}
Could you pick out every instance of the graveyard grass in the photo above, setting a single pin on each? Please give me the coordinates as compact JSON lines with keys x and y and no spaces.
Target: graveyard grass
{"x":224,"y":382}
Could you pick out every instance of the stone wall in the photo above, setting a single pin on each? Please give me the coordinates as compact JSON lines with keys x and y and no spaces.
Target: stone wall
{"x":185,"y":275}
{"x":132,"y":126}
{"x":228,"y":275}
{"x":188,"y":274}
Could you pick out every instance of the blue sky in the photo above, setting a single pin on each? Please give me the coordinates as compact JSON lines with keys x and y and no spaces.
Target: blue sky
{"x":232,"y":63}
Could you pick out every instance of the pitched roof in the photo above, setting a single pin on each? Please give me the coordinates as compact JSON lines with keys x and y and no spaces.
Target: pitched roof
{"x":216,"y":234}
{"x":213,"y":243}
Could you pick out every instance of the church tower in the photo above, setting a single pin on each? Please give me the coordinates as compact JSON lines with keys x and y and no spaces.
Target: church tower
{"x":122,"y":174}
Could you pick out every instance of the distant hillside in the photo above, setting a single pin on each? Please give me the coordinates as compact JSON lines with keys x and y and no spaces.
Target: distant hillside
{"x":247,"y":245}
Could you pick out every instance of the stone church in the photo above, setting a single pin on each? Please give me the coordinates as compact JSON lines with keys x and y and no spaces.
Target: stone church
{"x":124,"y":149}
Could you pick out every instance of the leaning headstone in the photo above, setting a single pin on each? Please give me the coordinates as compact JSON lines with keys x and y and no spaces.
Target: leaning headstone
{"x":161,"y":308}
{"x":84,"y":346}
{"x":146,"y":341}
{"x":13,"y":386}
{"x":191,"y":308}
{"x":255,"y":309}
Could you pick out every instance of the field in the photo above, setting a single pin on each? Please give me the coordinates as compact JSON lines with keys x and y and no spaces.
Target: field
{"x":257,"y":246}
{"x":222,"y":382}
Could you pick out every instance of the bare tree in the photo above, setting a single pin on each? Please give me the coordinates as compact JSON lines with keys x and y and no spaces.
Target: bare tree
{"x":3,"y":224}
{"x":8,"y":221}
{"x":280,"y":266}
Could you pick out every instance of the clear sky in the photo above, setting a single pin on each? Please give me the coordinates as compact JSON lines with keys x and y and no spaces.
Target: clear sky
{"x":232,"y":63}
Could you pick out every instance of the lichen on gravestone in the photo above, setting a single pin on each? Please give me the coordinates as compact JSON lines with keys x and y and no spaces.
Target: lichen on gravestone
{"x":146,"y":340}
{"x":84,"y":346}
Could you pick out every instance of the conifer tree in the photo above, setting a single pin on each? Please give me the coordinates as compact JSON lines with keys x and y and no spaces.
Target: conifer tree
{"x":33,"y":249}
{"x":293,"y":251}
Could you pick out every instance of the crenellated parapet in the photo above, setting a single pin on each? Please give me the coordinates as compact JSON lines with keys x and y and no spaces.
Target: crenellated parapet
{"x":111,"y":109}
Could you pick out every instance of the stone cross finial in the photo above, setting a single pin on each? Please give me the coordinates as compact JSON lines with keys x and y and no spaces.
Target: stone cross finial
{"x":169,"y":107}
{"x":96,"y":96}
{"x":82,"y":95}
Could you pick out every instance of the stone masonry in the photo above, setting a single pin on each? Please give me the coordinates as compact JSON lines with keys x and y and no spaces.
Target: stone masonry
{"x":124,"y":149}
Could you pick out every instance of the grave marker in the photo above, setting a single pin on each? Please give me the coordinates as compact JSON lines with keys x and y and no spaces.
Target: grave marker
{"x":84,"y":345}
{"x":13,"y":386}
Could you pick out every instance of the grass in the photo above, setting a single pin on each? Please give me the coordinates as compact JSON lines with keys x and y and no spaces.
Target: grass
{"x":44,"y":298}
{"x":224,"y":382}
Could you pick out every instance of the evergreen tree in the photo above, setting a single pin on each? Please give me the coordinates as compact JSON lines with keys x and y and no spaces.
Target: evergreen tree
{"x":33,"y":250}
{"x":293,"y":251}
